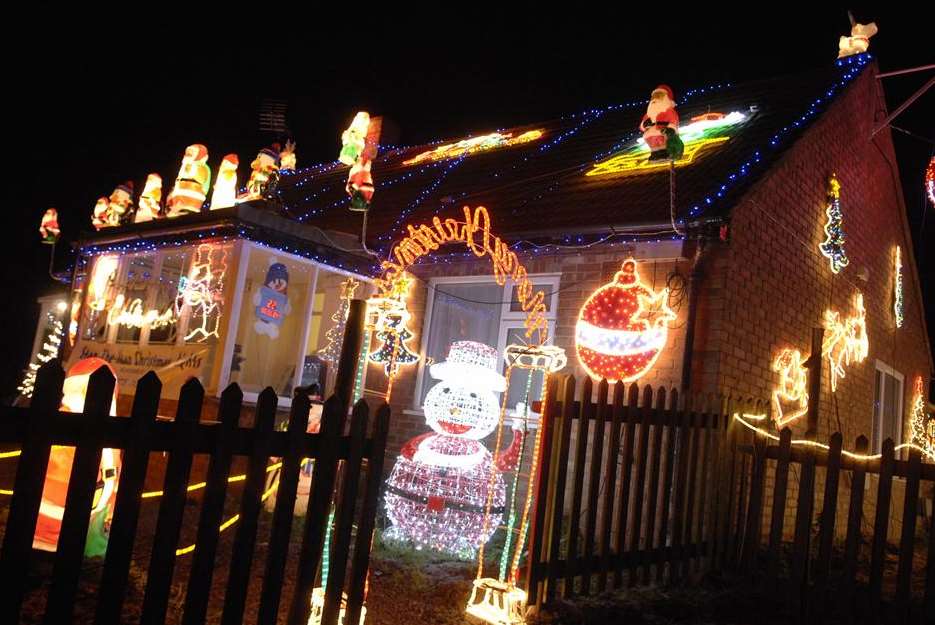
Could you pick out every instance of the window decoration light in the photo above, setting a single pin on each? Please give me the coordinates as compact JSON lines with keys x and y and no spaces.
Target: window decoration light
{"x":192,"y":184}
{"x":833,"y":246}
{"x":388,"y":315}
{"x":101,"y":282}
{"x":701,"y":135}
{"x":898,"y":288}
{"x":921,"y":427}
{"x":131,"y":314}
{"x":472,"y":145}
{"x":202,"y":290}
{"x":622,"y":327}
{"x":845,"y":339}
{"x":48,"y":228}
{"x":437,"y":492}
{"x":792,"y":387}
{"x":334,"y":335}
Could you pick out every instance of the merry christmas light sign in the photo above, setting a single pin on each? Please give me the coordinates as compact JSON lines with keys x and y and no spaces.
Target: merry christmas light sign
{"x":623,"y":327}
{"x":476,"y":234}
{"x":703,"y":134}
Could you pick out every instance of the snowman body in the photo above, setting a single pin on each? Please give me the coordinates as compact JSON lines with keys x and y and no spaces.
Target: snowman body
{"x":436,"y":495}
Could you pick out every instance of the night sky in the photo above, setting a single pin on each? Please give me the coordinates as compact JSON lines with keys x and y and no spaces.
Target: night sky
{"x":98,"y":103}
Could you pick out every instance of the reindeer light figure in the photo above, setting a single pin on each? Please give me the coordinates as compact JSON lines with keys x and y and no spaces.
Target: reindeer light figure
{"x":846,"y":340}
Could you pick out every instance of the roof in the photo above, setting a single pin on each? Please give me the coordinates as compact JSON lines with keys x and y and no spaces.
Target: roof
{"x":257,"y":221}
{"x":538,"y":185}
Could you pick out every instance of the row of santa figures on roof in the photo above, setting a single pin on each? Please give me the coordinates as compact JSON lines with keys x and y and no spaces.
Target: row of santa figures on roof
{"x":192,"y":185}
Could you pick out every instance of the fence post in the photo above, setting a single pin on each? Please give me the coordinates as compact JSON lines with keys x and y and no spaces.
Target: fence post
{"x":826,"y":534}
{"x":361,"y":561}
{"x":127,"y":506}
{"x":82,"y":483}
{"x":558,"y":496}
{"x":212,"y":509}
{"x":907,"y":539}
{"x":27,"y":490}
{"x":319,"y":501}
{"x":235,"y":596}
{"x":581,"y":449}
{"x":780,"y":492}
{"x":880,"y":526}
{"x":597,"y":458}
{"x":277,"y":552}
{"x":855,"y":515}
{"x":350,"y":351}
{"x":172,"y":506}
{"x":814,"y":382}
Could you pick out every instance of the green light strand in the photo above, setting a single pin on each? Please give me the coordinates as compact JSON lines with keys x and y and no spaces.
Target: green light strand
{"x":505,"y":556}
{"x":361,"y":368}
{"x":326,"y":552}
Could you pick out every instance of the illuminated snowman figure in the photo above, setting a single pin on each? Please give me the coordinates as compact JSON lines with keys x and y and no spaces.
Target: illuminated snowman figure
{"x":437,"y":491}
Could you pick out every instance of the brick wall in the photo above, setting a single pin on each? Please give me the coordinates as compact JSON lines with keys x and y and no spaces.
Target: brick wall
{"x":769,"y":285}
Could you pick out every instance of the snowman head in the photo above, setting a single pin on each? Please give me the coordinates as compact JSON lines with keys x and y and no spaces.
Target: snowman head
{"x":464,"y":402}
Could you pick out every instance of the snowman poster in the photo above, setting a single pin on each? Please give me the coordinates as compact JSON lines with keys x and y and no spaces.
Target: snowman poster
{"x":271,"y":301}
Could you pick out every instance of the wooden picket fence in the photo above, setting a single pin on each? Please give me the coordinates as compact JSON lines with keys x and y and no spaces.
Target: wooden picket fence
{"x":821,"y":592}
{"x":338,"y":466}
{"x":648,"y":487}
{"x":649,"y":511}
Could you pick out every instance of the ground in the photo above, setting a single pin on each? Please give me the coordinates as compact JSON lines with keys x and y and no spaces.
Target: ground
{"x":432,"y":590}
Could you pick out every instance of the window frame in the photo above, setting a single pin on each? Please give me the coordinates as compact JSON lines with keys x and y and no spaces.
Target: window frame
{"x":899,"y":415}
{"x":508,"y":319}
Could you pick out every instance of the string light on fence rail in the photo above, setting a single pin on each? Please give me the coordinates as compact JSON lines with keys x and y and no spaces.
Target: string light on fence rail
{"x":804,"y":442}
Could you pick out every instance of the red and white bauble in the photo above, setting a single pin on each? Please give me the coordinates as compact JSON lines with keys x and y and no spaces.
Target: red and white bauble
{"x":622,"y":328}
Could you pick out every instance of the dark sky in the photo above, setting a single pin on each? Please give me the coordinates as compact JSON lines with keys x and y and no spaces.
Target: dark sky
{"x":95,"y":102}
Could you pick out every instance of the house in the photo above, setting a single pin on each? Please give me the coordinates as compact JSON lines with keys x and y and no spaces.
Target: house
{"x":734,"y":231}
{"x":736,"y":247}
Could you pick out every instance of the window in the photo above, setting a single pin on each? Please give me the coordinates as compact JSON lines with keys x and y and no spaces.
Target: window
{"x":887,"y":406}
{"x":478,"y":309}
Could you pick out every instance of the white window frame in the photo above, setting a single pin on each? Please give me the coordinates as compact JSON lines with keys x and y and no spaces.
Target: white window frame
{"x":877,"y":425}
{"x":508,"y":319}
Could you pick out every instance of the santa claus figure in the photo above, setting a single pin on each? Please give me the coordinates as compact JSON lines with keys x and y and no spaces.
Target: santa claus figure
{"x":49,"y":227}
{"x":264,"y":170}
{"x":225,"y":188}
{"x":119,"y":203}
{"x":150,"y":199}
{"x":192,"y":184}
{"x":360,"y":185}
{"x":99,"y":216}
{"x":660,"y":125}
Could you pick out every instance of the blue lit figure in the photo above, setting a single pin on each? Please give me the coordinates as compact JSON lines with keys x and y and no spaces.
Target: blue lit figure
{"x":271,"y":301}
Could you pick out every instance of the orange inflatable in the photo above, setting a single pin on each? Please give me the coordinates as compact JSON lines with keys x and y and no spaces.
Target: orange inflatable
{"x":61,"y":457}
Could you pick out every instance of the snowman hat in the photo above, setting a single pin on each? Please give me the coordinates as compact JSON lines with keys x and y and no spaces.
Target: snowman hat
{"x":472,"y":364}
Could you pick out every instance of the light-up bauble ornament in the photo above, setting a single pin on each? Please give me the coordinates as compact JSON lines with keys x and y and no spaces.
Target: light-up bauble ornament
{"x":622,"y":327}
{"x":464,"y":403}
{"x":55,"y":489}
